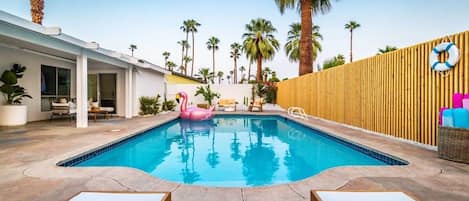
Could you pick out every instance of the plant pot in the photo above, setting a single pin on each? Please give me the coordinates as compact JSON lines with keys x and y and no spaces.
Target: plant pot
{"x":203,"y":105}
{"x":13,"y":115}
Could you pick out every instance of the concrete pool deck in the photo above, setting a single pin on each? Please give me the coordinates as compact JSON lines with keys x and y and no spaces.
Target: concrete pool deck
{"x":28,"y":157}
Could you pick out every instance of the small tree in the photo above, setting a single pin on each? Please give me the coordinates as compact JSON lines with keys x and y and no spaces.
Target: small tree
{"x":335,"y":61}
{"x":207,"y":93}
{"x":204,"y":74}
{"x":11,"y":90}
{"x":386,"y":49}
{"x":170,"y":65}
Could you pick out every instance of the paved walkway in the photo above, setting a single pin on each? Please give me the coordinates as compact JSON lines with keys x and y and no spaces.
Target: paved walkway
{"x":28,"y":172}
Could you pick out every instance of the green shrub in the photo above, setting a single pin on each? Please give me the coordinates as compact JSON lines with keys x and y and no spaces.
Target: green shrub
{"x":168,"y":105}
{"x":271,"y":94}
{"x":149,"y":105}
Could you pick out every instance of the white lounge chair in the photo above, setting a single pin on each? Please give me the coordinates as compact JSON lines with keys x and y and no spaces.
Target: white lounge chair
{"x":228,"y":105}
{"x":121,"y":196}
{"x":321,"y":195}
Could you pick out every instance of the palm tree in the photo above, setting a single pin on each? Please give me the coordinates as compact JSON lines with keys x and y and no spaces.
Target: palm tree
{"x":387,"y":49}
{"x":235,"y":53}
{"x":260,"y":43}
{"x":132,"y":48}
{"x":181,"y":69}
{"x":231,"y":75}
{"x":228,"y":77}
{"x":292,"y":47}
{"x":274,"y":77}
{"x":204,"y":74}
{"x":191,"y":26}
{"x":166,"y":55}
{"x":266,"y":72}
{"x":184,"y":44}
{"x":186,"y":60}
{"x":185,"y":29}
{"x":307,"y":9}
{"x":212,"y":44}
{"x":220,"y":76}
{"x":37,"y":11}
{"x":170,"y":65}
{"x":242,"y":69}
{"x":352,"y":25}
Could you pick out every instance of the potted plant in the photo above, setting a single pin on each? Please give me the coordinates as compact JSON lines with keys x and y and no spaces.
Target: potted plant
{"x":208,"y":95}
{"x":13,"y":113}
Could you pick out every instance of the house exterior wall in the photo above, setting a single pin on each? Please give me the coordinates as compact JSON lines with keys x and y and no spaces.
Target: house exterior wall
{"x":32,"y":77}
{"x":146,"y":83}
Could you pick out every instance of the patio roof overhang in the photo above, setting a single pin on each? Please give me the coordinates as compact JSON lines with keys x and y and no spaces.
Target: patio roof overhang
{"x":25,"y":35}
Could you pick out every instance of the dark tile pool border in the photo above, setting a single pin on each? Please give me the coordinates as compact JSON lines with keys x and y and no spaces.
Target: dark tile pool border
{"x":75,"y":160}
{"x":384,"y":157}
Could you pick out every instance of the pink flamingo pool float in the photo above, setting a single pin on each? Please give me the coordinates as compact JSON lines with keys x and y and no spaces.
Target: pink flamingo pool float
{"x":193,"y":113}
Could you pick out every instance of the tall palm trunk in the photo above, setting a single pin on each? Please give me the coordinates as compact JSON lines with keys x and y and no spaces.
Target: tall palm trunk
{"x":306,"y":63}
{"x":351,"y":44}
{"x":193,"y":59}
{"x":259,"y":68}
{"x":37,"y":8}
{"x":213,"y":60}
{"x":187,"y":52}
{"x":249,"y":71}
{"x":182,"y":56}
{"x":235,"y":71}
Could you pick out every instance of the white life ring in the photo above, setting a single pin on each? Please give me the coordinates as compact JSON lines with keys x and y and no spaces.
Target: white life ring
{"x":453,"y":59}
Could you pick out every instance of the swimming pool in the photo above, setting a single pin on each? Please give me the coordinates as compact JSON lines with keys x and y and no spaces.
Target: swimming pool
{"x":233,"y":151}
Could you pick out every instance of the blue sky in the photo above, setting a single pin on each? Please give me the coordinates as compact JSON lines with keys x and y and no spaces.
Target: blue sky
{"x":153,"y":25}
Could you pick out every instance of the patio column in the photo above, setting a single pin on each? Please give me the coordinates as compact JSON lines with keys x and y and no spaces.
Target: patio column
{"x":128,"y":93}
{"x":82,"y":91}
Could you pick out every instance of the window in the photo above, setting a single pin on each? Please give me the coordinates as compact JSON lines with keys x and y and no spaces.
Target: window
{"x":55,"y":84}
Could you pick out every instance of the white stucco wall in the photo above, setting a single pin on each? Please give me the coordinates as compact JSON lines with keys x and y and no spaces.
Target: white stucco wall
{"x":146,"y":83}
{"x":227,"y":91}
{"x":32,"y":77}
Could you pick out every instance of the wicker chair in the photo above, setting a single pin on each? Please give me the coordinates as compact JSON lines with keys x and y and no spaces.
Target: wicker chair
{"x":453,"y":144}
{"x":63,"y":109}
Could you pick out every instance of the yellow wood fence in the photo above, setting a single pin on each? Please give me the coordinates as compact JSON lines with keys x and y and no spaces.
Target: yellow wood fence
{"x":396,"y":93}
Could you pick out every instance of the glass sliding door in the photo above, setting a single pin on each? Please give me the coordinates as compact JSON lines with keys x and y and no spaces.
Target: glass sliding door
{"x":102,"y":88}
{"x":107,"y":90}
{"x":93,"y":87}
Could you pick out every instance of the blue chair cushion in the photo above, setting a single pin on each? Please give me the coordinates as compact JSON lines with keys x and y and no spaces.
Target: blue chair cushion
{"x":460,"y":118}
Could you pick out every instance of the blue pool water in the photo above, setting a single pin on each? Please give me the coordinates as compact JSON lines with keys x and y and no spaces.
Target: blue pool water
{"x":233,"y":151}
